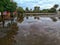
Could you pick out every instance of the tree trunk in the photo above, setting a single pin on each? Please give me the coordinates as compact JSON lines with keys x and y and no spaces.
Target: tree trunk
{"x":11,"y":15}
{"x":18,"y":15}
{"x":3,"y":22}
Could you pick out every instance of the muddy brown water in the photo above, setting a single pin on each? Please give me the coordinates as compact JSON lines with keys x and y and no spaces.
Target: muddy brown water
{"x":36,"y":31}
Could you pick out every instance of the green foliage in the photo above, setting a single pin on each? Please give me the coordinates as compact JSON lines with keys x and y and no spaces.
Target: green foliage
{"x":56,"y":6}
{"x":20,"y":10}
{"x":45,"y":10}
{"x":6,"y":5}
{"x":36,"y":11}
{"x":52,"y":10}
{"x":3,"y":4}
{"x":11,"y":7}
{"x":27,"y":9}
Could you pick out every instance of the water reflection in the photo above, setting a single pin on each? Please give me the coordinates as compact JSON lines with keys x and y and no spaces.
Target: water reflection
{"x":53,"y":19}
{"x":20,"y":18}
{"x":59,"y":17}
{"x":27,"y":17}
{"x":32,"y":19}
{"x":36,"y":18}
{"x":41,"y":33}
{"x":38,"y":34}
{"x":8,"y":39}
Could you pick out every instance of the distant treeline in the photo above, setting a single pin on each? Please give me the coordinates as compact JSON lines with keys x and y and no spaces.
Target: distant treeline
{"x":37,"y":10}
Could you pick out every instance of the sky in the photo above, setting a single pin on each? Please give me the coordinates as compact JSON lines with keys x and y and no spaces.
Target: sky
{"x":43,"y":4}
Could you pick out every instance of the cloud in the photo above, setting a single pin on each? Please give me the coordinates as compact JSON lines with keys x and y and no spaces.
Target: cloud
{"x":42,"y":3}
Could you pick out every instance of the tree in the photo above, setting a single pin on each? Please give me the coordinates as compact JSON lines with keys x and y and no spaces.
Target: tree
{"x":52,"y":10}
{"x":56,"y":6}
{"x":3,"y":4}
{"x":6,"y":5}
{"x":45,"y":10}
{"x":20,"y":10}
{"x":36,"y":9}
{"x":1,"y":10}
{"x":27,"y":9}
{"x":30,"y":11}
{"x":11,"y":8}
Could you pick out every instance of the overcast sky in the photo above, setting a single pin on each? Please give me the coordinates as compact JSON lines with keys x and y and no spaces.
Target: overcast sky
{"x":44,"y":4}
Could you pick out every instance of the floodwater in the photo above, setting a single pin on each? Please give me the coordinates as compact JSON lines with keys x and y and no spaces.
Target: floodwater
{"x":34,"y":30}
